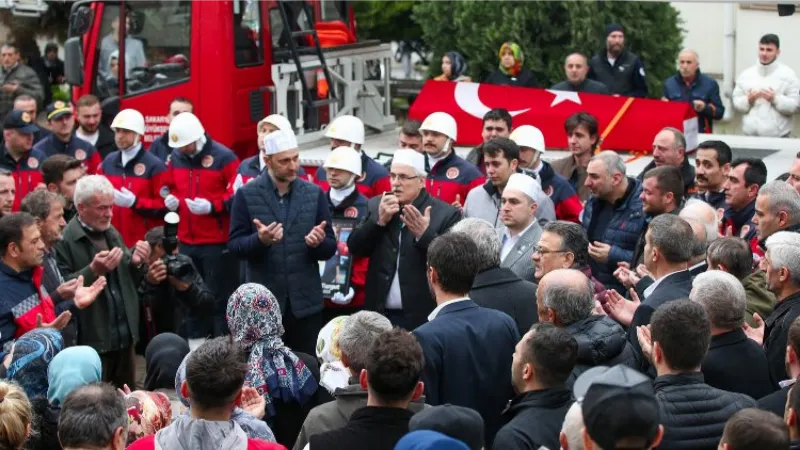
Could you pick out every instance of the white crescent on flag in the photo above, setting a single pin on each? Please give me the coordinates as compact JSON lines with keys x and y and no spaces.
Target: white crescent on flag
{"x":467,"y":99}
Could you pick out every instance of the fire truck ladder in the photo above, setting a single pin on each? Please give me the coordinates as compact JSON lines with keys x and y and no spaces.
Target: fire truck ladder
{"x":308,"y":95}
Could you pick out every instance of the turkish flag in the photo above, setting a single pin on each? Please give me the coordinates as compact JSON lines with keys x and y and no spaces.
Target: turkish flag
{"x":630,"y":124}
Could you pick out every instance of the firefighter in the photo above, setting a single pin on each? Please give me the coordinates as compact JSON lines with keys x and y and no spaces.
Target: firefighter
{"x":450,"y":177}
{"x":252,"y":166}
{"x":343,"y":170}
{"x":136,"y":175}
{"x":348,"y":131}
{"x":199,"y":186}
{"x":160,"y":146}
{"x":63,"y":139}
{"x":17,"y":155}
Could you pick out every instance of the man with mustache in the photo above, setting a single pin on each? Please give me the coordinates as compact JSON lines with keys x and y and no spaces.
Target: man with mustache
{"x":617,"y":68}
{"x":712,"y":163}
{"x":669,"y":149}
{"x":395,"y":236}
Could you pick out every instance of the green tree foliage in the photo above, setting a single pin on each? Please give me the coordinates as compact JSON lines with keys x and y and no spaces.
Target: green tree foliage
{"x":386,"y":20}
{"x":548,"y":32}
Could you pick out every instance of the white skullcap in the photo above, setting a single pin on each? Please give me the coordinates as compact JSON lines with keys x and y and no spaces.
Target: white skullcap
{"x":525,"y":184}
{"x":279,"y":141}
{"x":410,"y":158}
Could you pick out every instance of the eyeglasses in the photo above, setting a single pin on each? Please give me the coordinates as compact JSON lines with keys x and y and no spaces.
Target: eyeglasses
{"x":539,"y":250}
{"x":402,"y":178}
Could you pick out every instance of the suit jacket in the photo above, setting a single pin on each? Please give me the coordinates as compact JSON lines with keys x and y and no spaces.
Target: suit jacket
{"x":674,"y":286}
{"x":736,"y":363}
{"x":501,"y":289}
{"x":519,"y":258}
{"x":380,"y":245}
{"x":468,"y":352}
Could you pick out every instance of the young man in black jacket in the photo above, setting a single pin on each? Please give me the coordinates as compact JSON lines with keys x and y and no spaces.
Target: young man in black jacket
{"x":543,"y":360}
{"x":692,"y":412}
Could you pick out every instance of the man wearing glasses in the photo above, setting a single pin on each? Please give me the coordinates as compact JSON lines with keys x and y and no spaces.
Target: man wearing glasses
{"x":395,"y":235}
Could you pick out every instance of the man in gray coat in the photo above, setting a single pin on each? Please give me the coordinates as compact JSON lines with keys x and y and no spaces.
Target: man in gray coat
{"x":17,"y":79}
{"x":522,"y":231}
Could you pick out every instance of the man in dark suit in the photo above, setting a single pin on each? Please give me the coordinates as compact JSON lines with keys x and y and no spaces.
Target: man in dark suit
{"x":395,"y":235}
{"x":494,"y":286}
{"x":468,"y":349}
{"x":666,"y":255}
{"x":776,"y":402}
{"x":733,"y":363}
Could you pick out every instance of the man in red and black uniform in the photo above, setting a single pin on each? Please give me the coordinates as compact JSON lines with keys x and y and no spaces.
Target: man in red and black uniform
{"x":450,"y":177}
{"x":160,"y":146}
{"x":63,"y":139}
{"x":17,"y":155}
{"x":199,"y":186}
{"x":343,"y":168}
{"x":348,"y":131}
{"x":745,"y":178}
{"x":137,"y":179}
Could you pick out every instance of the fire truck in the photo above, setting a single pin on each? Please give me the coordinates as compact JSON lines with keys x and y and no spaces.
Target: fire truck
{"x":236,"y":61}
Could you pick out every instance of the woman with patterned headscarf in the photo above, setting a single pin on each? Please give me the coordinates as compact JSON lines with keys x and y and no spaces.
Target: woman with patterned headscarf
{"x":454,"y":68}
{"x":32,"y":353}
{"x":510,"y":71}
{"x":287,"y":380}
{"x":148,"y":412}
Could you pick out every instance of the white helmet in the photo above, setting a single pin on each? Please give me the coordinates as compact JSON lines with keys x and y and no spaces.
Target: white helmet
{"x":346,"y":128}
{"x":278,"y":121}
{"x":528,"y":136}
{"x":184,"y":129}
{"x":344,"y":158}
{"x":441,"y":122}
{"x":129,"y":119}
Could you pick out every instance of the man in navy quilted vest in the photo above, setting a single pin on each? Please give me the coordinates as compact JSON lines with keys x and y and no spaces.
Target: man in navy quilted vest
{"x":281,"y":227}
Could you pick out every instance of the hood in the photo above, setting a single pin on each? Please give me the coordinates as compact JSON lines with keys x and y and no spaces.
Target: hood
{"x":600,"y":339}
{"x":187,"y":433}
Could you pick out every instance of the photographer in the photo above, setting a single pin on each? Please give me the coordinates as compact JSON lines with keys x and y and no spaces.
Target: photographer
{"x":172,"y":285}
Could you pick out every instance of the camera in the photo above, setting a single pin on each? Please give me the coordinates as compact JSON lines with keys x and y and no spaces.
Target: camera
{"x":178,"y":266}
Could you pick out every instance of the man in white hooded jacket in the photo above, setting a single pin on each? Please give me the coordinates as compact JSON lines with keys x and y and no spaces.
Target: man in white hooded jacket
{"x":768,"y":93}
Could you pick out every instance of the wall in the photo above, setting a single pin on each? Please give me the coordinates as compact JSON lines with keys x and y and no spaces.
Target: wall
{"x":703,"y":25}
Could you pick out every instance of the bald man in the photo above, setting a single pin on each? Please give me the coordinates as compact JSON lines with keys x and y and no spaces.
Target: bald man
{"x":691,"y":86}
{"x":576,"y":67}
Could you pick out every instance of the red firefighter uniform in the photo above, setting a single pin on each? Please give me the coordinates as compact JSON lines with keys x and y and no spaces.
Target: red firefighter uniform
{"x":354,"y":206}
{"x":26,"y":171}
{"x":452,"y":177}
{"x":76,"y":147}
{"x":375,"y":182}
{"x":143,"y":176}
{"x":210,"y":175}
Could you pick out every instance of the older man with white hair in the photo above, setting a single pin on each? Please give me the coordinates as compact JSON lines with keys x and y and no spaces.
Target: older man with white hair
{"x":281,"y":225}
{"x":781,"y":263}
{"x":777,"y":209}
{"x":733,"y":363}
{"x":395,"y":235}
{"x":91,"y":248}
{"x":522,"y":230}
{"x":494,"y":286}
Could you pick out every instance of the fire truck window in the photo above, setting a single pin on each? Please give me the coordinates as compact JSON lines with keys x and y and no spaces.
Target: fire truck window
{"x":334,"y":10}
{"x":159,"y":53}
{"x":247,"y":33}
{"x":275,"y":26}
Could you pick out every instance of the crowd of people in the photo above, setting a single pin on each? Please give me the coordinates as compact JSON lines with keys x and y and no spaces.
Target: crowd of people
{"x":175,"y":297}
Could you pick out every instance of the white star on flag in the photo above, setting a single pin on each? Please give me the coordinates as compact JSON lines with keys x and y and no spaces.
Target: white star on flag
{"x":563,"y":96}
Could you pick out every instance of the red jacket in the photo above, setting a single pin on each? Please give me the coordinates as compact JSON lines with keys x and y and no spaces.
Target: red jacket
{"x":26,"y":171}
{"x":453,"y":176}
{"x":210,"y":175}
{"x":375,"y":182}
{"x":149,"y":443}
{"x":142,"y":176}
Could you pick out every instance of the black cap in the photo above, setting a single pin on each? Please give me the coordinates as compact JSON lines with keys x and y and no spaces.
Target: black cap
{"x":458,"y":422}
{"x":617,"y":403}
{"x":21,"y":121}
{"x":612,"y":27}
{"x":57,"y":109}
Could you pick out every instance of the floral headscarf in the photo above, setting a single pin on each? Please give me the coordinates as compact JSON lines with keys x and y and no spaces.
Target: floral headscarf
{"x":148,"y":412}
{"x":254,"y":318}
{"x":333,"y":374}
{"x":33,"y":352}
{"x":458,"y":65}
{"x":519,"y":58}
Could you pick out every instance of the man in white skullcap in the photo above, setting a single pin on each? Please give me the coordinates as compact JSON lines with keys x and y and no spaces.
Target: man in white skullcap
{"x":522,"y":231}
{"x":399,"y":226}
{"x":281,"y":227}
